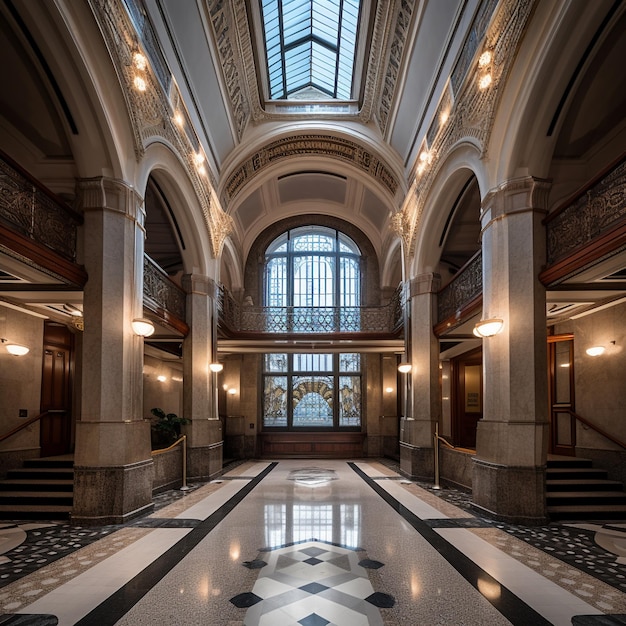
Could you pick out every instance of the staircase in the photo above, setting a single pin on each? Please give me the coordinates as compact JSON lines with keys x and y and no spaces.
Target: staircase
{"x":575,"y":490}
{"x":41,"y":489}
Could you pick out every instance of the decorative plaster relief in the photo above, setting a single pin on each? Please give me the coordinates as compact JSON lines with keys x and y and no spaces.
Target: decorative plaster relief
{"x":323,"y":145}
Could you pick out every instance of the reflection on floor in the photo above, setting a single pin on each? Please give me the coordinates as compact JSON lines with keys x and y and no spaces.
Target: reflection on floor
{"x":312,"y":543}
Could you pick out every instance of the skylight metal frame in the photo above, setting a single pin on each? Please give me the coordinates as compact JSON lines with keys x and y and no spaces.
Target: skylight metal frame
{"x":310,"y":45}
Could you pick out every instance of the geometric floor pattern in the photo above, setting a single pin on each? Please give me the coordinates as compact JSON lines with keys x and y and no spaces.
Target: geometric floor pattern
{"x":313,"y":583}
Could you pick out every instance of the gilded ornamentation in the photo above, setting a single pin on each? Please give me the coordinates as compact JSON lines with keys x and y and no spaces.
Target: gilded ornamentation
{"x":593,"y":213}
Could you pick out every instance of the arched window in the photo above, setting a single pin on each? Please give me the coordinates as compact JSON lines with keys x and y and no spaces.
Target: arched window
{"x":314,"y":274}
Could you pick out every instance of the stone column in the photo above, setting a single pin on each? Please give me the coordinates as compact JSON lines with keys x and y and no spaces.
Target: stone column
{"x":204,"y":432}
{"x":113,"y":469}
{"x":424,"y":410}
{"x":508,"y":479}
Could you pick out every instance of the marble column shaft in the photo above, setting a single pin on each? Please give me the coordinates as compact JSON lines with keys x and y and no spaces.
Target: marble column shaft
{"x":204,"y":432}
{"x":512,"y":437}
{"x":113,"y":463}
{"x":424,"y":406}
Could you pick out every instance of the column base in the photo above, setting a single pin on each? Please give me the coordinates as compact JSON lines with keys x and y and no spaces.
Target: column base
{"x":113,"y":494}
{"x":417,"y":463}
{"x":205,"y":462}
{"x":509,"y":494}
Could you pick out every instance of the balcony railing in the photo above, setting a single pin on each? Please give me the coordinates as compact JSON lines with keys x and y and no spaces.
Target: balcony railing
{"x":161,"y":295}
{"x":594,"y":212}
{"x":466,"y":286}
{"x":32,"y":211}
{"x":236,"y":318}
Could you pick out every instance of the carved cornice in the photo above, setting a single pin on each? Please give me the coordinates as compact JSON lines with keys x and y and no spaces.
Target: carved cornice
{"x":151,"y":111}
{"x":310,"y":145}
{"x":472,"y":111}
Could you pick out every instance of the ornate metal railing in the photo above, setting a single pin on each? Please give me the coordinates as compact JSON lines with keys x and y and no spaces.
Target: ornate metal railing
{"x":160,"y":294}
{"x":593,"y":212}
{"x":34,"y":212}
{"x":466,"y":285}
{"x":239,"y":318}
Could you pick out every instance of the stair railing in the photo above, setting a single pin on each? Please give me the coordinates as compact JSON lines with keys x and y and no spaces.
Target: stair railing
{"x":597,"y":429}
{"x":18,"y":428}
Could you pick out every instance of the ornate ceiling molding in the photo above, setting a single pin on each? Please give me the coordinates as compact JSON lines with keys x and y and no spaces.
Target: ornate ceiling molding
{"x":151,"y":111}
{"x":472,"y":109}
{"x":309,"y":145}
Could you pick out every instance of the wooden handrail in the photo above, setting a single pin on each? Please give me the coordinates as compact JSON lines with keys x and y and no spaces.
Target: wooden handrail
{"x":599,"y":430}
{"x":28,"y":422}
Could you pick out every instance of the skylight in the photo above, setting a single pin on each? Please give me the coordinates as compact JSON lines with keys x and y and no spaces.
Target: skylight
{"x":310,"y":47}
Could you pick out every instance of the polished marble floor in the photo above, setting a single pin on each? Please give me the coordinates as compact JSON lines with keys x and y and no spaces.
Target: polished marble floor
{"x":312,"y":543}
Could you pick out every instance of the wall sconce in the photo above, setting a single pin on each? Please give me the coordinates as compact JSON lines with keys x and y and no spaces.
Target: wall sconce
{"x":389,"y":389}
{"x":595,"y":350}
{"x":216,"y":367}
{"x":15,"y":349}
{"x":232,"y":391}
{"x":488,"y":328}
{"x":142,"y":327}
{"x":405,"y":368}
{"x":161,"y":378}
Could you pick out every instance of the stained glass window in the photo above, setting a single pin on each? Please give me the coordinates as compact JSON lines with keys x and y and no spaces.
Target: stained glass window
{"x":316,"y":391}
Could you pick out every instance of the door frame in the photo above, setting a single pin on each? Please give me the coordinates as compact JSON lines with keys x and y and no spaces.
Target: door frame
{"x":559,"y":411}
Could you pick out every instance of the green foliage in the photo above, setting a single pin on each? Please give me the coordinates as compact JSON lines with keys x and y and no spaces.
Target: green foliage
{"x":166,"y":426}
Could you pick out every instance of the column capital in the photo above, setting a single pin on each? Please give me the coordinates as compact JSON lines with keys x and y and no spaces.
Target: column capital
{"x":424,"y":283}
{"x":110,"y":194}
{"x":517,"y":195}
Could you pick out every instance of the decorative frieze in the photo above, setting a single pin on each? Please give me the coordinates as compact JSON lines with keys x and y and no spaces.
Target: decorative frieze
{"x":151,"y":109}
{"x":472,"y":110}
{"x":311,"y":145}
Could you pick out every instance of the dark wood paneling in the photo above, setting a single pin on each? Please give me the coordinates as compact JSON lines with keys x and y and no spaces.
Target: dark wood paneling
{"x":312,"y":445}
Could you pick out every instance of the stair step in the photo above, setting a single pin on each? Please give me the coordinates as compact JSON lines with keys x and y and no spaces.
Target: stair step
{"x":34,"y":511}
{"x":32,"y":473}
{"x":575,"y":473}
{"x":589,"y":484}
{"x":569,"y":462}
{"x":586,"y":497}
{"x":19,"y":498}
{"x":49,"y":462}
{"x":26,"y":484}
{"x":587,"y":512}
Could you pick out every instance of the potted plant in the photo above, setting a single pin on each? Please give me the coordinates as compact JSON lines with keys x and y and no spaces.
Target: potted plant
{"x":166,"y":427}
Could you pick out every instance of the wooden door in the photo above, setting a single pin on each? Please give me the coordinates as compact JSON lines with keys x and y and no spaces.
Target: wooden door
{"x":468,"y":404}
{"x":561,"y":394}
{"x":56,"y":392}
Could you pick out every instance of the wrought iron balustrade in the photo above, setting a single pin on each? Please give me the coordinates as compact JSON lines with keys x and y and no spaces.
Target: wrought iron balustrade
{"x":310,"y":320}
{"x":29,"y":209}
{"x":594,"y":212}
{"x":466,"y":285}
{"x":160,"y":293}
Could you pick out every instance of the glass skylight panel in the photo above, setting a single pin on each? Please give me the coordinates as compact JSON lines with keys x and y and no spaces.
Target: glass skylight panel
{"x":310,"y":43}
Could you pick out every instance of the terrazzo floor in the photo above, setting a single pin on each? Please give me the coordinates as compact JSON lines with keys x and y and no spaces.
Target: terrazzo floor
{"x":312,"y":543}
